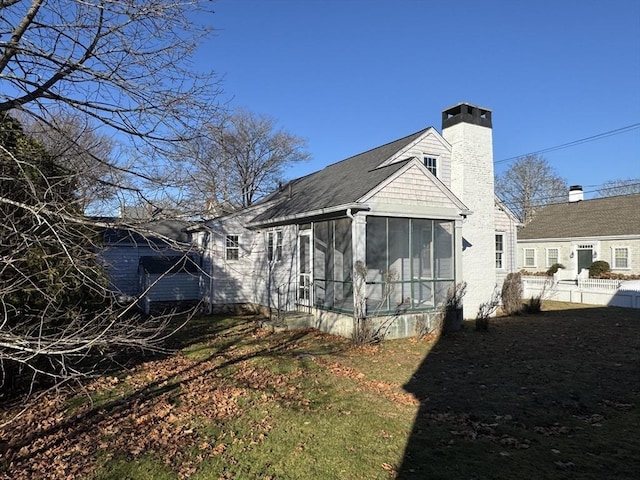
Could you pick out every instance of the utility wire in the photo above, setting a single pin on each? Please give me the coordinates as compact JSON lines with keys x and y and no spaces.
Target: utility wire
{"x":592,"y":138}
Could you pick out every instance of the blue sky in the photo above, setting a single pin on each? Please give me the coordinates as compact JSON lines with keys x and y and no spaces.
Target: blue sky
{"x":349,"y":75}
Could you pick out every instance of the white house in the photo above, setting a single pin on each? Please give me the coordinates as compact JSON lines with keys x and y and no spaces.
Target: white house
{"x":419,"y":211}
{"x":578,"y":232}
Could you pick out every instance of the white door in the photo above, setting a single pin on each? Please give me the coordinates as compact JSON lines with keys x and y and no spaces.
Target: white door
{"x":304,"y":268}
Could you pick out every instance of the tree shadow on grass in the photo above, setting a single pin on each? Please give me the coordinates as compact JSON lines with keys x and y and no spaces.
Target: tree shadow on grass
{"x":232,"y":342}
{"x":536,"y":396}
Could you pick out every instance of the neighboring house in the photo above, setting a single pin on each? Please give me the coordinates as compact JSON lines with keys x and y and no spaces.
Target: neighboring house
{"x":579,"y":232}
{"x":125,"y":251}
{"x":421,"y":207}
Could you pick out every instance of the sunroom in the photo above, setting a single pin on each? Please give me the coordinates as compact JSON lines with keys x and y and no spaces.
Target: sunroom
{"x":408,"y":264}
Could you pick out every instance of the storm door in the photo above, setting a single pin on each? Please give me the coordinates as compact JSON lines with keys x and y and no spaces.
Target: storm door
{"x":304,"y":267}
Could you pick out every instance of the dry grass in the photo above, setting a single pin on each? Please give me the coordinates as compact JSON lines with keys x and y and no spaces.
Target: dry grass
{"x":554,"y":395}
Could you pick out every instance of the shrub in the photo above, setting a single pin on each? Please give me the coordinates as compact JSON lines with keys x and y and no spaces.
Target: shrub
{"x":535,"y":304}
{"x":512,"y":294}
{"x":598,"y":268}
{"x":487,"y":309}
{"x":554,"y":268}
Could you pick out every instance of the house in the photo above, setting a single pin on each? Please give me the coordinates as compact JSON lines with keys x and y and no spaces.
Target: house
{"x":134,"y":259}
{"x":414,"y":216}
{"x":578,"y":232}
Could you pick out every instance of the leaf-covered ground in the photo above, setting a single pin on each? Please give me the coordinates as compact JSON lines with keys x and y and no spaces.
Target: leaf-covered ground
{"x":554,"y":395}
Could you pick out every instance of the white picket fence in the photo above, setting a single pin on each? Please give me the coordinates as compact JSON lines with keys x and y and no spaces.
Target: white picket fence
{"x":594,"y":291}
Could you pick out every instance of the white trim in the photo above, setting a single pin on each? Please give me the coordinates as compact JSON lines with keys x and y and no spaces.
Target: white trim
{"x":398,"y":156}
{"x":524,"y":258}
{"x":502,"y":252}
{"x":428,"y":175}
{"x":613,"y":257}
{"x":546,"y":256}
{"x":227,"y":249}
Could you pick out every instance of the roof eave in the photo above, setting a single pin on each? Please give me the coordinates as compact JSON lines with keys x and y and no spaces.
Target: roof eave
{"x":309,"y":216}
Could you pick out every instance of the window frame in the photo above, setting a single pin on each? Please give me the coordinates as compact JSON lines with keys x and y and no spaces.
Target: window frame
{"x":232,"y":245}
{"x":614,"y":258}
{"x":524,"y":258}
{"x":548,"y":258}
{"x":274,"y":245}
{"x":431,"y":163}
{"x":499,"y":252}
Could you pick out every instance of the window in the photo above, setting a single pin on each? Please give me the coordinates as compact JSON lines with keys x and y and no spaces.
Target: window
{"x":529,"y":257}
{"x":274,"y":246}
{"x":499,"y":250}
{"x":552,"y":256}
{"x":431,"y":164}
{"x":416,"y":255}
{"x":621,"y":257}
{"x":232,"y":247}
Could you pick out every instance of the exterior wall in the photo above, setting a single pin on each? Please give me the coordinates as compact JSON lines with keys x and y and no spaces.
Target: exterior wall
{"x":506,"y":225}
{"x":602,"y":246}
{"x":432,"y":145}
{"x":251,"y":279}
{"x":122,"y":261}
{"x":172,"y":288}
{"x":412,"y":188}
{"x":472,"y":182}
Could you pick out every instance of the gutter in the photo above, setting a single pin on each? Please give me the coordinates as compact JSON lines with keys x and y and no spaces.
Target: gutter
{"x":321,"y":212}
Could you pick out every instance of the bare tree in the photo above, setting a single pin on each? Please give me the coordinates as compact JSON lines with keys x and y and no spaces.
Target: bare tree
{"x":530,"y":183}
{"x":89,"y":71}
{"x":620,"y":186}
{"x":87,"y":155}
{"x":56,"y":311}
{"x":125,"y":65}
{"x":243,"y":157}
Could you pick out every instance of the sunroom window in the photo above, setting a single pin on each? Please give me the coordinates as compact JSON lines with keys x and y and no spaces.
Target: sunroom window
{"x":414,"y":257}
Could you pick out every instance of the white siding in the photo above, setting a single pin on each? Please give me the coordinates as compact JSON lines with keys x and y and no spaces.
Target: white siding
{"x":122,"y":261}
{"x":171,"y":288}
{"x":412,"y":188}
{"x":506,"y":225}
{"x":251,"y":279}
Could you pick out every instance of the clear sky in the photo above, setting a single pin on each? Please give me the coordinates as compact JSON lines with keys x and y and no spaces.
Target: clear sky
{"x":350,"y":75}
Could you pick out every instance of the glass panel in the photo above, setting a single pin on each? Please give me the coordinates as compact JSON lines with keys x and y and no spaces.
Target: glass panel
{"x":398,"y":248}
{"x":304,"y":254}
{"x":376,"y":255}
{"x":443,"y":255}
{"x":424,"y":294}
{"x":422,"y":248}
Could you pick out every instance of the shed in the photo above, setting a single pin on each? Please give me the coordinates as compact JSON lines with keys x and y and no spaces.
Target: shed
{"x":168,"y":279}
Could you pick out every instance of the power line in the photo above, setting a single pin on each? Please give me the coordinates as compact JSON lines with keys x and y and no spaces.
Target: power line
{"x":592,"y":138}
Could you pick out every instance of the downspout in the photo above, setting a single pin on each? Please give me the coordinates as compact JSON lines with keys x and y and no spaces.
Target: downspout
{"x":349,"y":214}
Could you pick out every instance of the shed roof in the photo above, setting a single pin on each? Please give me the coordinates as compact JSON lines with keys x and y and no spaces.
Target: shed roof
{"x":154,"y":232}
{"x":338,"y":184}
{"x":597,"y":217}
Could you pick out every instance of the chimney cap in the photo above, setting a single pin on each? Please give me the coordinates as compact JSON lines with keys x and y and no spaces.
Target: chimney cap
{"x":467,"y":113}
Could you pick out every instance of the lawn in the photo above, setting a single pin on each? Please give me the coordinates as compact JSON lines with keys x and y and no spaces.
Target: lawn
{"x":554,"y":395}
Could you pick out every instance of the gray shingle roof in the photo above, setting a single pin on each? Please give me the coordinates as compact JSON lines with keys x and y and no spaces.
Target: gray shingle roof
{"x":337,"y":184}
{"x":589,"y":218}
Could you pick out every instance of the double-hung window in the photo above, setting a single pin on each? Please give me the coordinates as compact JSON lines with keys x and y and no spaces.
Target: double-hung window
{"x":620,"y":257}
{"x":499,"y":250}
{"x":274,"y":246}
{"x":232,"y":247}
{"x":529,"y":257}
{"x":552,"y":256}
